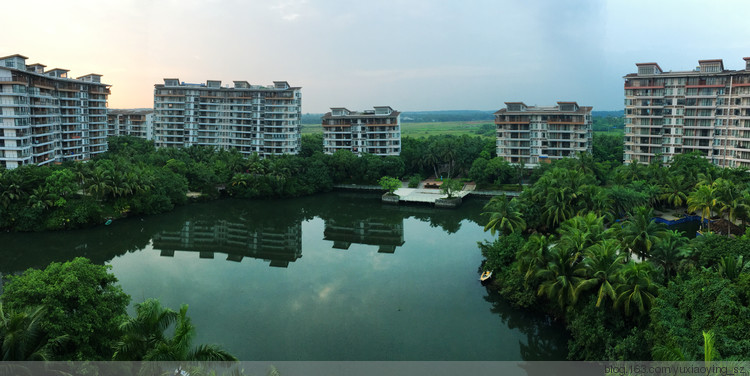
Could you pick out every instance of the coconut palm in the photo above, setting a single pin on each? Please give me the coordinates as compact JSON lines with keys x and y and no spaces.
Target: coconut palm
{"x":670,"y":353}
{"x":534,"y":254}
{"x":703,"y":199}
{"x":505,"y":215}
{"x":669,"y":251}
{"x":729,"y":199}
{"x":431,"y":158}
{"x":636,"y":290}
{"x":581,"y":232}
{"x":602,"y":204}
{"x":559,"y":206}
{"x":673,"y":191}
{"x":100,"y":182}
{"x":144,"y":339}
{"x":22,"y":337}
{"x":639,"y":232}
{"x":731,"y":267}
{"x":41,"y":198}
{"x":602,"y":265}
{"x":560,"y":277}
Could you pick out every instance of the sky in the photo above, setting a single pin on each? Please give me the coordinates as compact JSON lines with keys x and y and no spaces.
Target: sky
{"x":413,"y":55}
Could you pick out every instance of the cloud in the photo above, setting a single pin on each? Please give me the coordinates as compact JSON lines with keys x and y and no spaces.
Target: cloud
{"x":289,"y":10}
{"x":425,"y":72}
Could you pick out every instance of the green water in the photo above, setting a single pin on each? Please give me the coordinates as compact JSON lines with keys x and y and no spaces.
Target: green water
{"x":329,"y":277}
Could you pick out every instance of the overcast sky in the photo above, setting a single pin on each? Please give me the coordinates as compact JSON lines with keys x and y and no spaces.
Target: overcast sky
{"x":412,"y":54}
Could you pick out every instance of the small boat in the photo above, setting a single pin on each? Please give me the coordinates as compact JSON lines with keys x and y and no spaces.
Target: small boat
{"x":485,"y":276}
{"x":109,"y":222}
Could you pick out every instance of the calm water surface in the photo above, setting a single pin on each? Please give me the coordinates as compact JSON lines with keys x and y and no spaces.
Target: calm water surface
{"x":329,"y":277}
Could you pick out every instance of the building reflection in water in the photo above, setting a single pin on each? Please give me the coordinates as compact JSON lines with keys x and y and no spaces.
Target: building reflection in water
{"x":279,"y":245}
{"x":387,"y":236}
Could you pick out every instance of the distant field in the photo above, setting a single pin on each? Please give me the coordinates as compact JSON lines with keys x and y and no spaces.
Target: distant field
{"x":419,"y":130}
{"x":472,"y":128}
{"x":619,"y":131}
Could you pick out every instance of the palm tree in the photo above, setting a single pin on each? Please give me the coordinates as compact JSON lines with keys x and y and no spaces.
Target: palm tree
{"x":560,"y":277}
{"x":631,"y":172}
{"x":431,"y":158}
{"x":670,"y":353}
{"x":709,"y":350}
{"x":100,"y":183}
{"x":558,"y":207}
{"x":41,"y":198}
{"x":603,"y":205}
{"x":22,"y":337}
{"x":639,"y":232}
{"x":673,"y":191}
{"x":729,"y":200}
{"x":669,"y":251}
{"x":585,"y":163}
{"x":636,"y":290}
{"x":703,"y":199}
{"x":144,"y":338}
{"x":505,"y":216}
{"x":449,"y":154}
{"x":534,"y":254}
{"x":731,"y":267}
{"x":602,"y":265}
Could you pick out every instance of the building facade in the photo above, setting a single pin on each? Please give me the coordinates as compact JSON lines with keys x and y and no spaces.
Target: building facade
{"x":249,"y":118}
{"x":705,"y":110}
{"x":376,"y":131}
{"x":531,"y":135}
{"x":47,"y":117}
{"x":137,"y":122}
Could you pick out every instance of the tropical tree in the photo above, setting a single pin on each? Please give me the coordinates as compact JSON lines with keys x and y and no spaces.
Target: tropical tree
{"x":144,"y":339}
{"x":22,"y":337}
{"x":505,"y":215}
{"x":558,"y":206}
{"x":703,"y":199}
{"x":389,"y":184}
{"x":731,"y":267}
{"x":640,"y":232}
{"x":673,"y":191}
{"x":534,"y":254}
{"x":602,"y":266}
{"x":669,"y":251}
{"x":84,"y":303}
{"x":560,"y":277}
{"x":450,"y":187}
{"x":729,"y":200}
{"x":636,"y":290}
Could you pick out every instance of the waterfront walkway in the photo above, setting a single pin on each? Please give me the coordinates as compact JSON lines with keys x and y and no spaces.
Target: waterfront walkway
{"x":428,"y":191}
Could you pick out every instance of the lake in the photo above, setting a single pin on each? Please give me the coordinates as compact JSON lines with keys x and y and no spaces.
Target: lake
{"x":336,"y":276}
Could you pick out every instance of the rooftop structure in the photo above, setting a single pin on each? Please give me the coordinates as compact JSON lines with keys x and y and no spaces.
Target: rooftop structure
{"x":706,"y":109}
{"x":531,"y":135}
{"x":250,"y":118}
{"x":46,"y":117}
{"x":376,"y":131}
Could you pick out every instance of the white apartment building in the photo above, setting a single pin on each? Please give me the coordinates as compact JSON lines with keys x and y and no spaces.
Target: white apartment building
{"x":531,"y":135}
{"x":47,"y":117}
{"x":138,"y":122}
{"x":706,"y":109}
{"x":376,"y":131}
{"x":250,"y":118}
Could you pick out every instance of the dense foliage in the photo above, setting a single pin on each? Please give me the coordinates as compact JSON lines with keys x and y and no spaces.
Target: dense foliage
{"x":134,"y":177}
{"x":76,"y":311}
{"x":627,"y":287}
{"x":82,"y":303}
